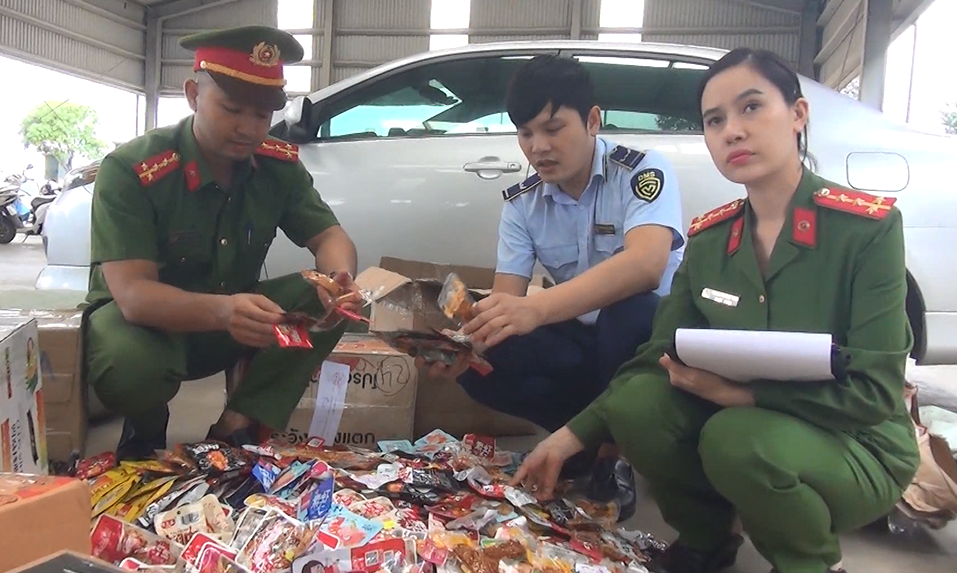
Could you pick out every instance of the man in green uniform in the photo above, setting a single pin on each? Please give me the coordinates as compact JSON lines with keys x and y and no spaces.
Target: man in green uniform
{"x":797,"y":462}
{"x":182,"y":220}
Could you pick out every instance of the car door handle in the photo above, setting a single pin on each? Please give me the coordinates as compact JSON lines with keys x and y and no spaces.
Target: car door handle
{"x":501,"y":166}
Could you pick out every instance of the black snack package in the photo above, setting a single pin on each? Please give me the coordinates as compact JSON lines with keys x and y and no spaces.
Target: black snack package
{"x":237,"y":497}
{"x":569,"y":516}
{"x":401,"y":490}
{"x":434,"y":479}
{"x":215,"y":457}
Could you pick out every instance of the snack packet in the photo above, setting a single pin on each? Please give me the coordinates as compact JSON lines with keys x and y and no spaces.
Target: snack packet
{"x":455,"y":301}
{"x":275,"y":544}
{"x":215,"y":457}
{"x":166,"y":501}
{"x":292,"y":335}
{"x":137,"y":501}
{"x":113,"y":540}
{"x":204,"y":516}
{"x":246,"y":525}
{"x":92,"y":467}
{"x":342,"y":528}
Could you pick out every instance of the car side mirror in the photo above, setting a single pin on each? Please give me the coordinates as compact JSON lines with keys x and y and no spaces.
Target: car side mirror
{"x":295,"y":110}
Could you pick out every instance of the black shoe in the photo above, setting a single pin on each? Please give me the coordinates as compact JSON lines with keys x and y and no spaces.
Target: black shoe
{"x":679,"y":558}
{"x":579,"y":465}
{"x":133,"y":446}
{"x":613,"y":479}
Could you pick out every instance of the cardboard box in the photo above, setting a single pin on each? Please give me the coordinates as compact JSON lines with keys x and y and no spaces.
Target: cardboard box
{"x":406,"y":294}
{"x":41,"y":515}
{"x":68,"y":562}
{"x":22,"y":425}
{"x":64,"y":393}
{"x":380,"y":399}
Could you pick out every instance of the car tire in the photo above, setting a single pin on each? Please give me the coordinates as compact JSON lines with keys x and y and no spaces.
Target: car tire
{"x":7,"y":230}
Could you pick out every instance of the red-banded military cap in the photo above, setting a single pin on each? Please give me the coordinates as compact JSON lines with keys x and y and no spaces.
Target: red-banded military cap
{"x":246,"y":62}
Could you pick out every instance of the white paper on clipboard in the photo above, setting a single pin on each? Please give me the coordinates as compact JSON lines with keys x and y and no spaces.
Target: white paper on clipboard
{"x":330,"y":401}
{"x":746,"y":355}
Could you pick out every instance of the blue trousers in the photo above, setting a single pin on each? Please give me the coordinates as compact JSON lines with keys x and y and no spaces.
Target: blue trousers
{"x":552,"y":373}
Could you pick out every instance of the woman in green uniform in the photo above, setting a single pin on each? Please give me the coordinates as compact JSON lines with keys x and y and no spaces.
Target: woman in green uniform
{"x":797,"y":462}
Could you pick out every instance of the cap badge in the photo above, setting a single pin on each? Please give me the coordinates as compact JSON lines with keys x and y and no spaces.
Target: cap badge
{"x":265,"y":55}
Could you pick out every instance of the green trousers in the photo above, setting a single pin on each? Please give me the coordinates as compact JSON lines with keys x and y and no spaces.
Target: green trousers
{"x":137,"y":370}
{"x":794,"y":486}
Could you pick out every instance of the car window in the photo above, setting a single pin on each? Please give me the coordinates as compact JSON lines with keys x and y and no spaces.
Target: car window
{"x":465,"y":96}
{"x":645,"y":94}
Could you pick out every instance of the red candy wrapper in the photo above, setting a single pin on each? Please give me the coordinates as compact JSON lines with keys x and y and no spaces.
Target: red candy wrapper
{"x":92,"y":467}
{"x":292,"y":335}
{"x":113,"y":540}
{"x":481,"y":446}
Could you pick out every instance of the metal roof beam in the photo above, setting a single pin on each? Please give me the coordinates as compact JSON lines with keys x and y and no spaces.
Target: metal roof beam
{"x":183,"y":7}
{"x":783,"y":6}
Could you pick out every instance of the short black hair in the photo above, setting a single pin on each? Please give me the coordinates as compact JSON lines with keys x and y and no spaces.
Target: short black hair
{"x":547,"y":80}
{"x":771,"y":66}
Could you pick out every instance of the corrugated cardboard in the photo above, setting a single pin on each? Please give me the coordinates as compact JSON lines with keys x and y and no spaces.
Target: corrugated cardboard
{"x":22,"y":427}
{"x":406,"y":294}
{"x":64,"y":394}
{"x":68,"y":562}
{"x":380,"y":400}
{"x":41,"y":515}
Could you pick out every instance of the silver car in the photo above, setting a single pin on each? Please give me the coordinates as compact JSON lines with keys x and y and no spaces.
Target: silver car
{"x":413,"y":156}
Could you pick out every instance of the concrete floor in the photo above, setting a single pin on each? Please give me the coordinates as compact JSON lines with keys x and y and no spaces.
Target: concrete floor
{"x":872,"y":551}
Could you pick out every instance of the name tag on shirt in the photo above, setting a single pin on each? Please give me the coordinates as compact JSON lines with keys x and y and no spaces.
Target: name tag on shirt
{"x":601,"y":229}
{"x":719,"y":297}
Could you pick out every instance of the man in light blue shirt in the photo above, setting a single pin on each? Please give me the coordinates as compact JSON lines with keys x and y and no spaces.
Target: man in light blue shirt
{"x":605,"y":221}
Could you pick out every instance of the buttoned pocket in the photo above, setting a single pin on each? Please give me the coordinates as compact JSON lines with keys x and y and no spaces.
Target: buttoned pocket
{"x":608,"y":245}
{"x":187,"y":258}
{"x":560,"y":260}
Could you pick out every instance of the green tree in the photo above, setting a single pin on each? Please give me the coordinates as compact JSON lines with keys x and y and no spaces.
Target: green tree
{"x":62,"y":129}
{"x":948,"y":116}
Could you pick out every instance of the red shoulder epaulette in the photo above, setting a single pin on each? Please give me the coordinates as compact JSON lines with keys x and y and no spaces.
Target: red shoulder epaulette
{"x":155,"y":168}
{"x":711,"y":218}
{"x":279,"y":150}
{"x":855,"y":202}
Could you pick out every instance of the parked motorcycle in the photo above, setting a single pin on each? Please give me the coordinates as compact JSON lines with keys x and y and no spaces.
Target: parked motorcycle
{"x":23,"y":211}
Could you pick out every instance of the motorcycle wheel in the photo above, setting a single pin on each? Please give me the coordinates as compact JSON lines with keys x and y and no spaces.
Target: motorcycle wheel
{"x":7,"y":230}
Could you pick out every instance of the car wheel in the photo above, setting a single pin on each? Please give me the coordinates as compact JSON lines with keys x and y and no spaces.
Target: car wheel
{"x":7,"y":230}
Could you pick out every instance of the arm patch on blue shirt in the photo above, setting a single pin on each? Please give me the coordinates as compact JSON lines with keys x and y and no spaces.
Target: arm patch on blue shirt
{"x":626,"y":157}
{"x":523,"y":187}
{"x":647,"y":184}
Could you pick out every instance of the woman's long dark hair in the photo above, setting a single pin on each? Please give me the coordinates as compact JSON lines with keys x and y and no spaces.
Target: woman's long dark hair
{"x":772,"y":67}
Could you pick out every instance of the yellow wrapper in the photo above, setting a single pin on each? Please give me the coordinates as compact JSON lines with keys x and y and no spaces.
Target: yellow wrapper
{"x":105,"y":482}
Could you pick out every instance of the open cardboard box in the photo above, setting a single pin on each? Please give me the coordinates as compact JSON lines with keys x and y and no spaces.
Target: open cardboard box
{"x":379,"y":403}
{"x":405,"y":294}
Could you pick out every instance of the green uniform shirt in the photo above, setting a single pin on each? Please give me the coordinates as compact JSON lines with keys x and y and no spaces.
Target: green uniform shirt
{"x":156,"y":199}
{"x":838,"y":268}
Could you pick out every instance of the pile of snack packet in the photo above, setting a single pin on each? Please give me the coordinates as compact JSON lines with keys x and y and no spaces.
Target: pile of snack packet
{"x":439,"y":505}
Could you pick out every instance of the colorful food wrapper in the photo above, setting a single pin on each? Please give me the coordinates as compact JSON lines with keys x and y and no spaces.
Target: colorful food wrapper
{"x":289,"y":477}
{"x":387,"y":446}
{"x":204,"y":516}
{"x":316,"y":502}
{"x":113,"y":540}
{"x":383,"y":475}
{"x":215,"y":457}
{"x":214,"y":559}
{"x":342,"y":528}
{"x":455,"y":301}
{"x":198,"y":543}
{"x":480,"y":446}
{"x":137,"y":501}
{"x":166,"y":500}
{"x":287,"y":507}
{"x":266,"y":473}
{"x":386,"y":555}
{"x":346,"y":497}
{"x":247,"y":524}
{"x":292,"y":335}
{"x":92,"y":467}
{"x":373,"y":508}
{"x":275,"y":544}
